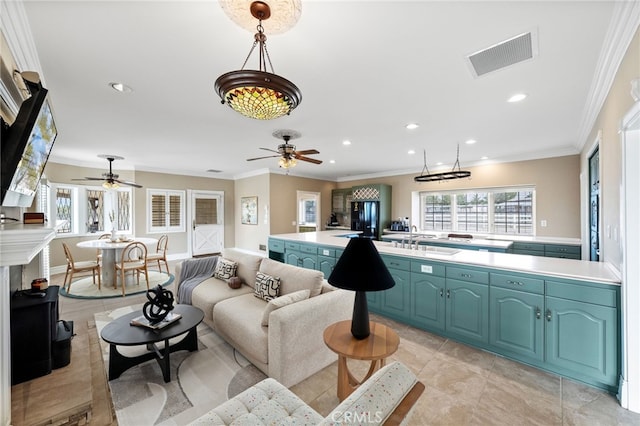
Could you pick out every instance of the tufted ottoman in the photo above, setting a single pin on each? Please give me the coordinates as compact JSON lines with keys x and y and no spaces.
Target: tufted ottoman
{"x":386,"y":397}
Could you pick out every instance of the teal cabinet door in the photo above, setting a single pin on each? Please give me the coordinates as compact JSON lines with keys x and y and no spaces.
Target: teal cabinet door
{"x":293,"y":258}
{"x":395,"y":301}
{"x":427,"y":301}
{"x":326,"y":264}
{"x":309,"y":261}
{"x":467,"y":310}
{"x":582,"y":338}
{"x":516,"y":324}
{"x":373,"y":300}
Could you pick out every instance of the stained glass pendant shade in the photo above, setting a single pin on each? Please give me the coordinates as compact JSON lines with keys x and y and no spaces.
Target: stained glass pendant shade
{"x":257,"y":93}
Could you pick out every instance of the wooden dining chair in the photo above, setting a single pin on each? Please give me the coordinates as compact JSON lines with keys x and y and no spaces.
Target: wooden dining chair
{"x":161,"y":253}
{"x":134,"y":259}
{"x":84,"y":266}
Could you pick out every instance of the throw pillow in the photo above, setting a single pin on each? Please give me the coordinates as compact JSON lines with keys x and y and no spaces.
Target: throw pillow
{"x":234,"y":282}
{"x":281,"y":301}
{"x":267,"y":286}
{"x":225,"y":269}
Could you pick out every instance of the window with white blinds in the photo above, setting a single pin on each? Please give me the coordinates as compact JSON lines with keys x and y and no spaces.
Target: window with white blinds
{"x":166,"y":211}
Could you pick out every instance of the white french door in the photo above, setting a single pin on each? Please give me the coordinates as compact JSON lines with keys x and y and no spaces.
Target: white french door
{"x":207,"y":222}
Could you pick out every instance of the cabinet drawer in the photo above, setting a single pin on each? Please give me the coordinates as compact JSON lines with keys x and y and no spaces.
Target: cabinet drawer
{"x":517,"y":282}
{"x":292,"y":246}
{"x":276,"y":245}
{"x":397,"y":263}
{"x":583,"y":293}
{"x":428,"y":268}
{"x":470,"y":275}
{"x":527,"y":246}
{"x":308,"y":249}
{"x":559,"y":248}
{"x":325,"y":251}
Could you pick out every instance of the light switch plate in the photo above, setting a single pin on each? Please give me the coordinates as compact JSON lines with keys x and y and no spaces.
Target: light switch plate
{"x":427,"y":269}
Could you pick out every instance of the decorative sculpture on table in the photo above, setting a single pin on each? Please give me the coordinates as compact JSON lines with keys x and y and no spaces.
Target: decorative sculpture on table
{"x":160,"y":303}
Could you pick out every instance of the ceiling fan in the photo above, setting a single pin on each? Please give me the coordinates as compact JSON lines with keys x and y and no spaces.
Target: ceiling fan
{"x":287,"y":152}
{"x":110,"y":180}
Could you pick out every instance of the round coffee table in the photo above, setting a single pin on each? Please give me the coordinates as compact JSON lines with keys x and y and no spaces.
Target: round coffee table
{"x":381,"y":343}
{"x":120,"y":332}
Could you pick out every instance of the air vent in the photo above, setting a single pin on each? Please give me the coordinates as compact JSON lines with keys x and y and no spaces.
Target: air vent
{"x":504,"y":54}
{"x":214,"y":171}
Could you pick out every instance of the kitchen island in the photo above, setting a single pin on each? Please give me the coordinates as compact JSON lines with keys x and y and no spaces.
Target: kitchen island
{"x":561,"y":315}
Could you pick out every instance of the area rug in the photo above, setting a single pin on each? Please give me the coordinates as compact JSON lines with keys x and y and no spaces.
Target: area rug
{"x":200,"y":380}
{"x":84,"y":288}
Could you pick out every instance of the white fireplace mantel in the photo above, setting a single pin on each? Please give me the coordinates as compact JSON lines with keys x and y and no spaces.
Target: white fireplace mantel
{"x":19,"y":244}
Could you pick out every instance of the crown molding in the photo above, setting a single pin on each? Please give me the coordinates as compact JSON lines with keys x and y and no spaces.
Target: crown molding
{"x":17,"y":32}
{"x":622,"y":27}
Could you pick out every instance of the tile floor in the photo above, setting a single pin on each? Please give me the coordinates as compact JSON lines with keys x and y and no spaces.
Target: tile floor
{"x":464,"y":386}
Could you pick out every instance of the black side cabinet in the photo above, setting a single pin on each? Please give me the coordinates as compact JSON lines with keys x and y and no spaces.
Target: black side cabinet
{"x":33,"y":328}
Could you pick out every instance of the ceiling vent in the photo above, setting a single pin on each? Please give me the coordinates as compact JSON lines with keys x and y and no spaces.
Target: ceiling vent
{"x":518,"y":49}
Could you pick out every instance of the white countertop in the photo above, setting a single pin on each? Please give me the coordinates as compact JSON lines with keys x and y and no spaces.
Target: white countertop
{"x":563,"y":268}
{"x":426,"y":238}
{"x":513,"y":238}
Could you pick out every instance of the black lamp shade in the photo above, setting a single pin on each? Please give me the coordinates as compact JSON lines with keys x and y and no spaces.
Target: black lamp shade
{"x":360,"y":268}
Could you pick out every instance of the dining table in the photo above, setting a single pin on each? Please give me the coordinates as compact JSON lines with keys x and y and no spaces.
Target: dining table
{"x":111,"y":250}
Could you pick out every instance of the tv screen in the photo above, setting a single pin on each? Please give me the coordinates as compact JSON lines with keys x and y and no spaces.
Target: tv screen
{"x":26,"y":150}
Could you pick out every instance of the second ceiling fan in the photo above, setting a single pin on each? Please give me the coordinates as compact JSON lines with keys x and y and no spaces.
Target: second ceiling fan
{"x":287,"y":152}
{"x":110,"y":179}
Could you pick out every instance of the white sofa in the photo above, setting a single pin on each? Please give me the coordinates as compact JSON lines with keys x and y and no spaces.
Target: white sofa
{"x":291,"y":348}
{"x":385,"y":398}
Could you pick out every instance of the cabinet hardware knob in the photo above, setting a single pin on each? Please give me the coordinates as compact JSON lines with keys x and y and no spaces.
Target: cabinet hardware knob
{"x":549,"y":315}
{"x":538,"y":313}
{"x":514,"y":282}
{"x":448,"y":294}
{"x":441,"y":292}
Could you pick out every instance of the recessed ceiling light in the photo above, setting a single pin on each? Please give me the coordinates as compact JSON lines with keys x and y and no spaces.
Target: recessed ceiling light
{"x":517,"y":97}
{"x":412,"y":126}
{"x":484,"y":158}
{"x":439,"y":163}
{"x":121,"y":87}
{"x":411,"y":151}
{"x":346,"y":142}
{"x":332,"y":161}
{"x":470,"y":141}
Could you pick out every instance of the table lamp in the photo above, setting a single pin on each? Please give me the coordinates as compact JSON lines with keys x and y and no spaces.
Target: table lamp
{"x":361,"y":269}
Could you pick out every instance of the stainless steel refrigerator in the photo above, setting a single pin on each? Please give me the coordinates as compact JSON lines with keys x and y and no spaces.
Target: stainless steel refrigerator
{"x":365,"y":217}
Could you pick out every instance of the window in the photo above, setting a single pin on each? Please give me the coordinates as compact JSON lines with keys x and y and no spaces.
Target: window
{"x":166,"y":211}
{"x":499,"y":210}
{"x":85,"y":209}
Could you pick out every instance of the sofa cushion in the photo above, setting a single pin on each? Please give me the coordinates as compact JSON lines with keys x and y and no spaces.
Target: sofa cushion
{"x":267,"y":287}
{"x":281,"y":301}
{"x":238,"y":320}
{"x":266,"y":403}
{"x":293,"y":278}
{"x":225,"y":269}
{"x":248,"y":264}
{"x":211,"y":291}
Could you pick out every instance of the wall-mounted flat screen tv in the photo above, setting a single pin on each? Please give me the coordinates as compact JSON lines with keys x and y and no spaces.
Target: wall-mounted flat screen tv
{"x":26,"y":146}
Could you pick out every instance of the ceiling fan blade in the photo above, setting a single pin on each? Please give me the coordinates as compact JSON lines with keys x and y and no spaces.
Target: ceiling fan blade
{"x":307,"y":151}
{"x":260,"y":158}
{"x":89,"y":178}
{"x":310,"y":160}
{"x":128,"y":183}
{"x":272,"y":150}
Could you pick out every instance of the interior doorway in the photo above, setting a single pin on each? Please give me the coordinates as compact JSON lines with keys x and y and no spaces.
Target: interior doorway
{"x":207,"y":222}
{"x":629,"y":394}
{"x":308,"y":211}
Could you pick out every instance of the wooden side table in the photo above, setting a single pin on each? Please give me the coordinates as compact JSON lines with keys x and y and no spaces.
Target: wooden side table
{"x":381,"y":343}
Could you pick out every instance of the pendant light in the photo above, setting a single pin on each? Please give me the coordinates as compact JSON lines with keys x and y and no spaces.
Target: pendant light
{"x":455,"y":172}
{"x":257,"y":93}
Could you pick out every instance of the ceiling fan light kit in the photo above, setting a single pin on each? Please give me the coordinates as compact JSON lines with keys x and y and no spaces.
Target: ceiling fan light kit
{"x":110,"y":179}
{"x":289,"y":157}
{"x":257,"y":93}
{"x":455,"y":173}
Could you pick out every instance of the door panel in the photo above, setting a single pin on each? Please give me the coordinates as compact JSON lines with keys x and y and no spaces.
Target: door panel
{"x":207,"y":222}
